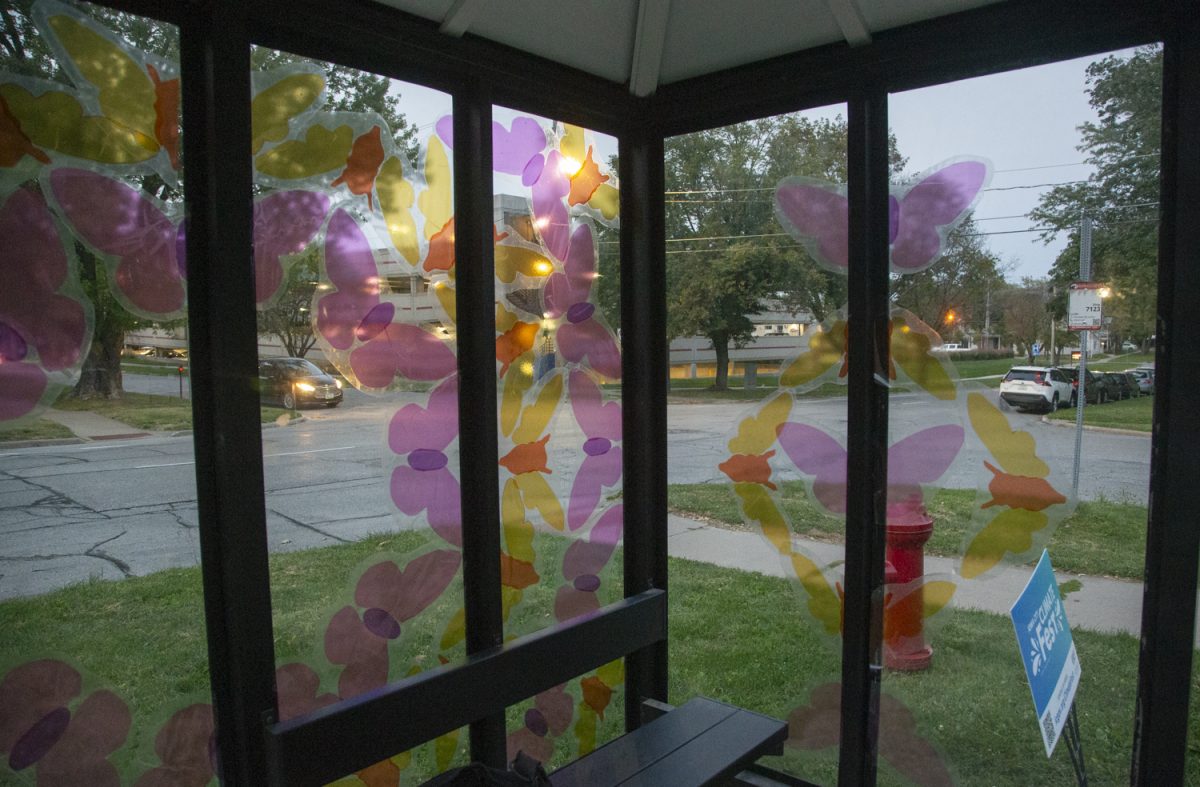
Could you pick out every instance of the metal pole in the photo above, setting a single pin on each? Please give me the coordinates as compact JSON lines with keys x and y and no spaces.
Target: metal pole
{"x":1085,"y":274}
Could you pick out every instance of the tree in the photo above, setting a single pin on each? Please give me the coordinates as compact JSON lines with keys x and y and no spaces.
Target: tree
{"x":727,"y":256}
{"x":1121,"y":195}
{"x":289,"y":316}
{"x":959,"y":282}
{"x":24,"y":51}
{"x":1025,"y":313}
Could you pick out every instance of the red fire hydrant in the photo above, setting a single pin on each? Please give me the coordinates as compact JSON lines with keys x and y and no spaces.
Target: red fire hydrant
{"x":909,"y":526}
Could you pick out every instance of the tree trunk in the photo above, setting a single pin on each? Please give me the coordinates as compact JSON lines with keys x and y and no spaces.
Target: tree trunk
{"x":721,"y":345}
{"x":100,"y":377}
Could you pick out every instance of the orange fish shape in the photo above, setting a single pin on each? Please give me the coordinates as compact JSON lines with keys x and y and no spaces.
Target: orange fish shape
{"x":527,"y":458}
{"x":749,"y":468}
{"x":363,"y":163}
{"x":515,"y":342}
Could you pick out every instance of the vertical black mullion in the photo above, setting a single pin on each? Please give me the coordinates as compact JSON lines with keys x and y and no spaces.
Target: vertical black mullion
{"x":644,"y":369}
{"x":215,"y":55}
{"x":477,"y":442}
{"x":1172,"y":539}
{"x":867,"y":406}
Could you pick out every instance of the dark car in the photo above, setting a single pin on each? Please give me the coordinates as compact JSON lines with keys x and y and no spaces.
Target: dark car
{"x":1120,"y":385}
{"x":1098,"y":389}
{"x":295,"y":381}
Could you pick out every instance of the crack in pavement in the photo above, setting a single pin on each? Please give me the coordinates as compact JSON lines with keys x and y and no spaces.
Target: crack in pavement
{"x":307,"y":526}
{"x":93,"y":551}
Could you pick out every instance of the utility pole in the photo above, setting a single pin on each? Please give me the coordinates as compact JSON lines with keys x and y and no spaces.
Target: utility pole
{"x":1085,"y":274}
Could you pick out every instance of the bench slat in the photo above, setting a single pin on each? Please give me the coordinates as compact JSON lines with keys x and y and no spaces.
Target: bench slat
{"x":694,"y":744}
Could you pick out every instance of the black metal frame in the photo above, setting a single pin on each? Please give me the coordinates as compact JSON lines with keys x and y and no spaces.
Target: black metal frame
{"x":216,"y":36}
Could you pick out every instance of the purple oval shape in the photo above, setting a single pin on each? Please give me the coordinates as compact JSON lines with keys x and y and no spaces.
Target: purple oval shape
{"x":533,"y":170}
{"x":597,"y":446}
{"x":427,"y":459}
{"x":181,"y":249}
{"x":12,"y":346}
{"x":380,"y":623}
{"x":379,"y":317}
{"x":893,"y":218}
{"x":588,"y":583}
{"x":536,"y":722}
{"x":580,"y":312}
{"x":39,"y":739}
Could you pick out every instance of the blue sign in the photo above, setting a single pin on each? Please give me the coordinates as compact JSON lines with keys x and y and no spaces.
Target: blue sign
{"x":1037,"y":348}
{"x":1051,"y":663}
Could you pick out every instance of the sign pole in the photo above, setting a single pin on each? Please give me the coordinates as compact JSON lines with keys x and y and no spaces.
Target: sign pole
{"x":1085,"y":274}
{"x":1075,"y":747}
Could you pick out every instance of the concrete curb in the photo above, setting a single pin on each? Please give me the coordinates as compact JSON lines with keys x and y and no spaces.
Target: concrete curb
{"x":298,"y":420}
{"x":1107,"y":429}
{"x":40,"y":443}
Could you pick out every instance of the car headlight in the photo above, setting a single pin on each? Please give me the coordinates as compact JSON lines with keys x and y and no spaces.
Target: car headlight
{"x":337,"y":382}
{"x":306,"y":387}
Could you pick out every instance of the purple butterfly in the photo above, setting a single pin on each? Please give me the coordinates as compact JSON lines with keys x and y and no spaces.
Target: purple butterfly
{"x":425,"y":482}
{"x":354,"y":314}
{"x":583,"y":562}
{"x":920,"y":458}
{"x":601,"y":467}
{"x":582,"y":335}
{"x":815,"y":213}
{"x":515,"y":152}
{"x":41,"y":329}
{"x":550,"y":216}
{"x":120,"y":221}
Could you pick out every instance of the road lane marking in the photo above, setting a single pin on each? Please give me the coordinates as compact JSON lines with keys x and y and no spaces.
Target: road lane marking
{"x":265,"y":456}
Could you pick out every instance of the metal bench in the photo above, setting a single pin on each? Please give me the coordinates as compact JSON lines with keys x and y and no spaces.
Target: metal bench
{"x":700,"y":742}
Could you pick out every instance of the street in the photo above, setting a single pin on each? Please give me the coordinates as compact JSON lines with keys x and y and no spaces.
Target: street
{"x":128,"y":507}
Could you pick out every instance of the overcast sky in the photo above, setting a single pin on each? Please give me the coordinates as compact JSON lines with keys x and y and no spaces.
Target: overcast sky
{"x":1026,"y":122}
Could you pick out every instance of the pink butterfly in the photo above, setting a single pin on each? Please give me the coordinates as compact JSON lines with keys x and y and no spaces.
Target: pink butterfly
{"x":815,"y":212}
{"x":41,"y":328}
{"x":186,"y":747}
{"x":425,"y":482}
{"x":582,"y":335}
{"x":550,"y":208}
{"x":120,"y":221}
{"x":515,"y":152}
{"x":389,"y":596}
{"x":601,"y":423}
{"x":920,"y":458}
{"x":549,"y":717}
{"x":354,"y":314}
{"x":583,"y":562}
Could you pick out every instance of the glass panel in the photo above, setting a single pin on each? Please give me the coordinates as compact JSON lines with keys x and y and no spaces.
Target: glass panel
{"x":756,"y":246}
{"x":980,"y":480}
{"x":559,"y":376}
{"x":354,"y":266}
{"x":103,"y":664}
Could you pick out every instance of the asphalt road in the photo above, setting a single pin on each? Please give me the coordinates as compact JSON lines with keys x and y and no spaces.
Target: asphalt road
{"x":128,"y":507}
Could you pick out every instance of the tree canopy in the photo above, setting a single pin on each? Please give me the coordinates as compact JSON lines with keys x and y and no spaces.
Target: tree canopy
{"x":1121,"y":195}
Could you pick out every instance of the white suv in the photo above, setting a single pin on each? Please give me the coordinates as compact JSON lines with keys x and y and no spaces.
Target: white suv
{"x":1029,"y":387}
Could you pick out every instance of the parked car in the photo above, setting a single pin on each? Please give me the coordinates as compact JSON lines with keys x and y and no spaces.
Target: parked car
{"x":295,"y":381}
{"x":1144,"y":378}
{"x":1099,"y":390}
{"x":1120,"y":385}
{"x":1035,"y":387}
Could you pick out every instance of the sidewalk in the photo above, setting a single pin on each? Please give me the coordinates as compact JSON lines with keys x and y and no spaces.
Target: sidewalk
{"x":91,"y":426}
{"x":1101,"y":604}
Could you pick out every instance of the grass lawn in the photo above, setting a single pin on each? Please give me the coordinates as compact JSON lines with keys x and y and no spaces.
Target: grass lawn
{"x":37,"y":429}
{"x":735,"y":636}
{"x":1101,"y":538}
{"x":1136,"y":414}
{"x":149,"y":411}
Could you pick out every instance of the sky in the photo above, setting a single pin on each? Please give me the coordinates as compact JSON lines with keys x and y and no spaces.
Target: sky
{"x":1025,"y":122}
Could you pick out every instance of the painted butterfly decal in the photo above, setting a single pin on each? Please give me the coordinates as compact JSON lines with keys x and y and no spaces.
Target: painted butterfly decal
{"x":1019,"y":485}
{"x":920,"y":458}
{"x":527,"y":460}
{"x":45,"y":321}
{"x":185,"y":743}
{"x":601,"y":467}
{"x":551,"y":714}
{"x":582,"y":335}
{"x":42,"y":727}
{"x":388,"y":597}
{"x":354,"y":318}
{"x":911,"y":344}
{"x":815,"y":213}
{"x":425,"y":482}
{"x":146,"y":248}
{"x":583,"y":562}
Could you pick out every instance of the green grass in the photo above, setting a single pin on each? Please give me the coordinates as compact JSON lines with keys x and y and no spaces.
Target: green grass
{"x":149,"y":411}
{"x":1136,"y":414}
{"x":735,"y":636}
{"x":1101,"y":537}
{"x":38,"y":429}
